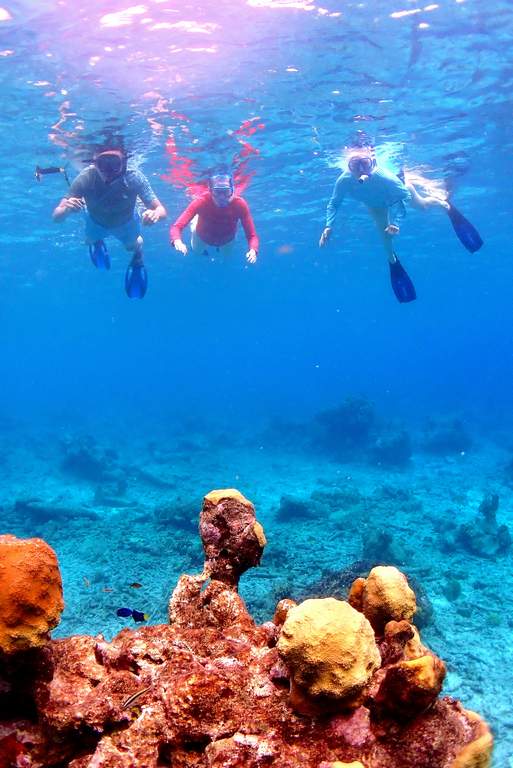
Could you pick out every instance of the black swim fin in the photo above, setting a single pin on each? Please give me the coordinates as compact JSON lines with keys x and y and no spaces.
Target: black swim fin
{"x":136,"y":280}
{"x":99,"y":255}
{"x":401,"y":283}
{"x":467,"y":233}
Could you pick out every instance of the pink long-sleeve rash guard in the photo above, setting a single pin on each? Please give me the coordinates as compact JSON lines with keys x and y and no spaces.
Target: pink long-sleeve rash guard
{"x":217,"y":226}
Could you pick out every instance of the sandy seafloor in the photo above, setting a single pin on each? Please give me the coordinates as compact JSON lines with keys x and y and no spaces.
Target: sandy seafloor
{"x":103,"y":549}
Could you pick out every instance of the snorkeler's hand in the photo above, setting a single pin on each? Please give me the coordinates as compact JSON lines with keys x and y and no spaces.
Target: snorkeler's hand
{"x":66,"y":206}
{"x":444,"y":204}
{"x":150,"y":216}
{"x":326,"y":233}
{"x":251,"y":256}
{"x":72,"y":204}
{"x":180,"y":246}
{"x":392,"y":229}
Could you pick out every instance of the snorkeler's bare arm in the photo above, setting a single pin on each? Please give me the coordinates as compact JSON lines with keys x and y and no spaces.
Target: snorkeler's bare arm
{"x":154,"y":212}
{"x":66,"y":206}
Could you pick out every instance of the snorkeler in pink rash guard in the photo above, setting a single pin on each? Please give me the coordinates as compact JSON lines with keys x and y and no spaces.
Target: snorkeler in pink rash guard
{"x":214,"y":217}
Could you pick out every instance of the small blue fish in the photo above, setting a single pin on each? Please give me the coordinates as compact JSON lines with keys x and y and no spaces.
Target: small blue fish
{"x":136,"y":615}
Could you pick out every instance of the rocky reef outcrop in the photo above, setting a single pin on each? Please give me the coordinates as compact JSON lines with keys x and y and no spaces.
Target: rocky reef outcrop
{"x":324,"y":684}
{"x":483,"y":536}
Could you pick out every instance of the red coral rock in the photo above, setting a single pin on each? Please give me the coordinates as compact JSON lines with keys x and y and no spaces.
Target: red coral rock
{"x":232,"y":538}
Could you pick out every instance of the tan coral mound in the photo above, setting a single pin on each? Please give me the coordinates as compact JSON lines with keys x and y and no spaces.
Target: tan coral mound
{"x":383,"y":596}
{"x":30,"y":593}
{"x":338,"y":764}
{"x":330,"y":649}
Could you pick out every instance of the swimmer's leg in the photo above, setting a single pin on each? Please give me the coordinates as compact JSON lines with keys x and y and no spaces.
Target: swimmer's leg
{"x":402,"y":285}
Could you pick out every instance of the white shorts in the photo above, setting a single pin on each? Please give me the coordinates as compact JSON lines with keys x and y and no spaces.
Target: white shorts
{"x":204,"y":249}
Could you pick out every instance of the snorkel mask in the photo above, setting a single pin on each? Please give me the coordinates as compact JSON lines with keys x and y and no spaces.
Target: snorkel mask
{"x":222,"y":189}
{"x":110,"y":164}
{"x":361,"y":166}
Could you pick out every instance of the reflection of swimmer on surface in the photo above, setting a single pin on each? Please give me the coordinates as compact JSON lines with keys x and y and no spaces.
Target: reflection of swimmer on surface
{"x":385,"y":193}
{"x":214,"y":217}
{"x":107,"y":193}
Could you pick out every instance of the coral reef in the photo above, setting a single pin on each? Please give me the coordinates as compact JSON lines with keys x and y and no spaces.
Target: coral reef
{"x":214,"y":690}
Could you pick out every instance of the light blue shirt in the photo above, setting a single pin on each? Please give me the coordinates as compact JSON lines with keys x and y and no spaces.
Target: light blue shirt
{"x":382,"y":189}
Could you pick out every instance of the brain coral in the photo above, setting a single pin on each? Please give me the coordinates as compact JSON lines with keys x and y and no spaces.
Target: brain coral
{"x":330,"y":649}
{"x":383,"y":596}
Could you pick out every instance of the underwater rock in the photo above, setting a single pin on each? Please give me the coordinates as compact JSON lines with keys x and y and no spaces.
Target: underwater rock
{"x":392,"y":449}
{"x":377,"y":545}
{"x":31,"y":599}
{"x":483,"y":536}
{"x":214,"y":690}
{"x":183,"y":517}
{"x":292,"y":509}
{"x":40,"y":511}
{"x":84,"y":462}
{"x":348,"y":428}
{"x":336,"y":583}
{"x":446,"y":436}
{"x":337,"y":500}
{"x":148,"y":478}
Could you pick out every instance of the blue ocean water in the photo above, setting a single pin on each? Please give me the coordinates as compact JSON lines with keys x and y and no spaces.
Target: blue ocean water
{"x":216,"y":378}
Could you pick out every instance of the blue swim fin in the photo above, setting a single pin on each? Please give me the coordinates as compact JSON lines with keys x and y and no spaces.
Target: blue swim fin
{"x":467,"y":233}
{"x":99,"y":255}
{"x":136,"y":279}
{"x":401,"y":283}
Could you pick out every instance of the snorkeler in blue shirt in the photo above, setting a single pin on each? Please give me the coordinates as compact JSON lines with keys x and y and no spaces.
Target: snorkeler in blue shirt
{"x":385,"y":195}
